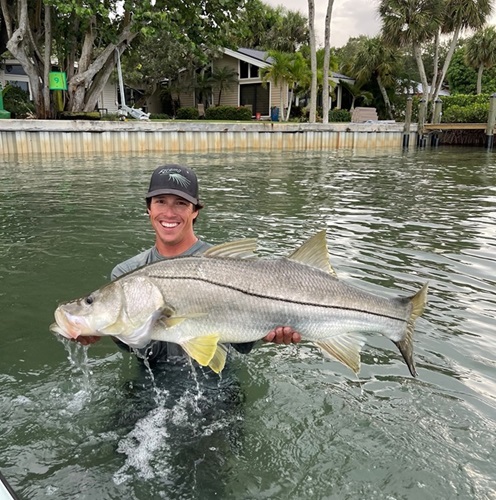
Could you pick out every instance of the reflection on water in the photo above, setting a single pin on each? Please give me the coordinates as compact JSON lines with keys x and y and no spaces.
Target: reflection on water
{"x":282,"y":422}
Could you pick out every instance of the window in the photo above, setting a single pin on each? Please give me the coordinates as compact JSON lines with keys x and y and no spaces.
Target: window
{"x":247,"y":70}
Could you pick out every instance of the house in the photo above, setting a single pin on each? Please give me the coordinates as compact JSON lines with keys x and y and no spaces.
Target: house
{"x":249,"y":91}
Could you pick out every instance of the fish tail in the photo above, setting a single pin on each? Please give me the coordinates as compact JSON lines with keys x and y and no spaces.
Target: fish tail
{"x":405,"y":345}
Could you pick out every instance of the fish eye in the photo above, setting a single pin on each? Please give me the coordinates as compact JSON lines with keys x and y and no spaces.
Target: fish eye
{"x":88,"y":300}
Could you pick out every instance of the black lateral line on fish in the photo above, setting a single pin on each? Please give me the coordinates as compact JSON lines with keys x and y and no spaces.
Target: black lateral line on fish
{"x":296,"y":302}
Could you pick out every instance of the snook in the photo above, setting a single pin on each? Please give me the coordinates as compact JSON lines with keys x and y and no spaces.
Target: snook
{"x":205,"y":301}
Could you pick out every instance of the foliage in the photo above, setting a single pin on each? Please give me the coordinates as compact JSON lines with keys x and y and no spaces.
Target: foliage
{"x":88,"y":33}
{"x":263,"y":27}
{"x":416,"y":23}
{"x":228,"y":113}
{"x":17,"y":102}
{"x":339,"y":115}
{"x":79,"y":115}
{"x":480,"y":52}
{"x":474,"y":113}
{"x":223,"y":79}
{"x":187,"y":113}
{"x":463,"y":78}
{"x":159,"y":116}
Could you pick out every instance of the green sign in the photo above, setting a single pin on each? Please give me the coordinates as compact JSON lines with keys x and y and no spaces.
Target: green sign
{"x":57,"y":80}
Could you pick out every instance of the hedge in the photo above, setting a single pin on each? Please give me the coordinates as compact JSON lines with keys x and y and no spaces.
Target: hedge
{"x":228,"y":113}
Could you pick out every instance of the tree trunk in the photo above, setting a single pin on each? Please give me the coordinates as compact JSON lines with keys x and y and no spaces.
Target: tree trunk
{"x":19,"y":47}
{"x":420,"y":65}
{"x":313,"y":62}
{"x":47,"y":62}
{"x":80,"y":84}
{"x":435,"y":63}
{"x":447,"y":62}
{"x":387,"y":102}
{"x":327,"y":57}
{"x":291,"y":95}
{"x":97,"y":85}
{"x":479,"y":79}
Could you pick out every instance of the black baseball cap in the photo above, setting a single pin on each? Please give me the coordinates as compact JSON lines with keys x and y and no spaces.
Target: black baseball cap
{"x":174,"y":179}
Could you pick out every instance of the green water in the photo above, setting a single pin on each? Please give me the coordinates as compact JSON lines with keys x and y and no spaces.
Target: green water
{"x":283,"y":422}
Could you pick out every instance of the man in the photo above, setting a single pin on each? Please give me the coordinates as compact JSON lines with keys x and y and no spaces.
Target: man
{"x":173,"y":206}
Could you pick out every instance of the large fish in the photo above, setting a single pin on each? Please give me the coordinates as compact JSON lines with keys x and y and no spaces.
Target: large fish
{"x":202,"y":302}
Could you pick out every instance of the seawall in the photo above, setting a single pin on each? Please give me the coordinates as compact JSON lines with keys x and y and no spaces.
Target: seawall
{"x":20,"y":137}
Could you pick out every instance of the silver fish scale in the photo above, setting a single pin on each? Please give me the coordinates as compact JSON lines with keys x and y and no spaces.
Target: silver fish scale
{"x":243,"y":299}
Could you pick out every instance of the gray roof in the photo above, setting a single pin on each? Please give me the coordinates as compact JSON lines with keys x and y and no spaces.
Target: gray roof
{"x":256,"y":54}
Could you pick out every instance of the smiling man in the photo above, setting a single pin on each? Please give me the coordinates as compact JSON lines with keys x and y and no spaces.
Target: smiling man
{"x":173,"y":205}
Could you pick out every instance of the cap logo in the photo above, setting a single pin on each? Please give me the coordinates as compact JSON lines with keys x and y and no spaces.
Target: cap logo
{"x":176,"y":176}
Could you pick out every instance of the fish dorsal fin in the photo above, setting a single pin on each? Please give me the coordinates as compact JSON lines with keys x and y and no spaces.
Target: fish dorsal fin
{"x":239,"y":249}
{"x":202,"y":349}
{"x":314,"y":253}
{"x":345,"y":348}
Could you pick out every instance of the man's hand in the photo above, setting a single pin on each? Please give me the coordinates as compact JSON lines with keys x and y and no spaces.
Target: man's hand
{"x":87,"y":340}
{"x":283,"y":335}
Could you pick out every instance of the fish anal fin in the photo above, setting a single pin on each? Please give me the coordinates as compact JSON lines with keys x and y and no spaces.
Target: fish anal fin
{"x":202,"y":349}
{"x":345,"y":348}
{"x":218,"y":362}
{"x":239,"y":249}
{"x":314,"y":253}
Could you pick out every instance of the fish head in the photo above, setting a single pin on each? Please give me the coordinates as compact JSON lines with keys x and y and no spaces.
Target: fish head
{"x":121,"y":309}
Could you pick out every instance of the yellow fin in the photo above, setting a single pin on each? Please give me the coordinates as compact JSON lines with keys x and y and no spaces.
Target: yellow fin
{"x":239,"y":249}
{"x":219,"y":360}
{"x":170,"y":321}
{"x":345,"y":348}
{"x":314,"y":253}
{"x":202,"y":349}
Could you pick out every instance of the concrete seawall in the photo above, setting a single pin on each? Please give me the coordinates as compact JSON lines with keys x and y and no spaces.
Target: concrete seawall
{"x":20,"y":137}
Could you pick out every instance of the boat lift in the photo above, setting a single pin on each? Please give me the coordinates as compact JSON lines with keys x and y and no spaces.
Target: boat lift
{"x":124,"y":110}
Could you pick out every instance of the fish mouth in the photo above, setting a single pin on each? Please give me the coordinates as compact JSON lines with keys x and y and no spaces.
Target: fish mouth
{"x":69,"y":326}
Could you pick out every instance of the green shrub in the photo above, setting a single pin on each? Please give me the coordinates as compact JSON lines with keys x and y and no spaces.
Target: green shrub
{"x":159,"y":116}
{"x":339,"y":115}
{"x":17,"y":102}
{"x":187,"y":113}
{"x":463,"y":100}
{"x":110,"y":117}
{"x":228,"y":113}
{"x":79,"y":115}
{"x":473,"y":113}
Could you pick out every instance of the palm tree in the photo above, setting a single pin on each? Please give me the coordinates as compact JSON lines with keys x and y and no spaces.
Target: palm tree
{"x":356,"y":92}
{"x":278,"y":73}
{"x":460,"y":15}
{"x":375,"y":59}
{"x":480,"y":52}
{"x":298,"y":74}
{"x":411,"y":23}
{"x":223,"y":79}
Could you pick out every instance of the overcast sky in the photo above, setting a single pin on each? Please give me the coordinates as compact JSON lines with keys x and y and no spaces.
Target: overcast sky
{"x":349,"y":18}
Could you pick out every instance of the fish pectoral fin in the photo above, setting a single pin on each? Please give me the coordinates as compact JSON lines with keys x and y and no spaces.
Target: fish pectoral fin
{"x":345,"y":348}
{"x":170,"y":321}
{"x":202,"y":349}
{"x":239,"y":249}
{"x":314,"y":253}
{"x":219,"y":360}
